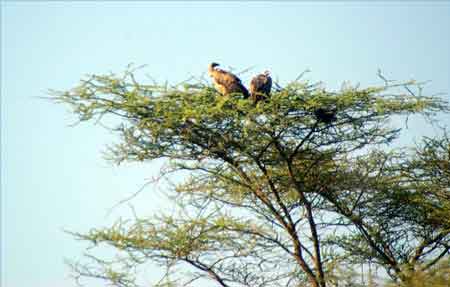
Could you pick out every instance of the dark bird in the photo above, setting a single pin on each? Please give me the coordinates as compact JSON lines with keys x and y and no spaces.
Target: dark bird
{"x":325,"y":115}
{"x":260,"y":87}
{"x":225,"y":82}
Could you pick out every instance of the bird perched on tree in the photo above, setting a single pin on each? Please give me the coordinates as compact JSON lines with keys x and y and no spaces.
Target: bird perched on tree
{"x":225,"y":82}
{"x":260,"y":87}
{"x":325,"y":116}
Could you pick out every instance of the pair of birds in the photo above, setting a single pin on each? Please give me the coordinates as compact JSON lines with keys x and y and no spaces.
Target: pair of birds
{"x":227,"y":83}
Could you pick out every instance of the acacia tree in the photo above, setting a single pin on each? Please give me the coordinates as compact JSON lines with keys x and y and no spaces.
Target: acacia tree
{"x":274,"y":195}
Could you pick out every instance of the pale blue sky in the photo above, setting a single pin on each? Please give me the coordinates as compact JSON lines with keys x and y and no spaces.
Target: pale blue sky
{"x":53,"y":177}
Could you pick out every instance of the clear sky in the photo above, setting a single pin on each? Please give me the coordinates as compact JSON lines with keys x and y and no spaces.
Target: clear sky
{"x":53,"y":176}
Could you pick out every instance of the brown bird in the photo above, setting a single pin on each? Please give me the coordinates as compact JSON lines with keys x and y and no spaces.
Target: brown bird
{"x":260,"y":87}
{"x":225,"y":82}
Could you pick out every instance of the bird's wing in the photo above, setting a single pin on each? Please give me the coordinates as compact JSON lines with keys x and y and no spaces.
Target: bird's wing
{"x":268,"y":84}
{"x":226,"y":78}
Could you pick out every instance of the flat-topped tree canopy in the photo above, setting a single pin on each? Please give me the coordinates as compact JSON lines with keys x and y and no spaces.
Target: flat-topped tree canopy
{"x":275,"y":193}
{"x":157,"y":116}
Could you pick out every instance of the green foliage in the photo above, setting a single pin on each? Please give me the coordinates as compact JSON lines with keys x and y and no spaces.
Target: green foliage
{"x":437,"y":276}
{"x":274,"y":195}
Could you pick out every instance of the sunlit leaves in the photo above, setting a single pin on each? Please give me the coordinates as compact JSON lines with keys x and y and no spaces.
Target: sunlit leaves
{"x":271,"y":186}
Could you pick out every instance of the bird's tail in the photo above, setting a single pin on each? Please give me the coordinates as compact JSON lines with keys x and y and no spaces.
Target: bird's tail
{"x":244,"y":90}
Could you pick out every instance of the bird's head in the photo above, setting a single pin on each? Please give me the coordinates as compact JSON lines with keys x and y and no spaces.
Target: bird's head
{"x":211,"y":68}
{"x":266,"y":73}
{"x":213,"y":64}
